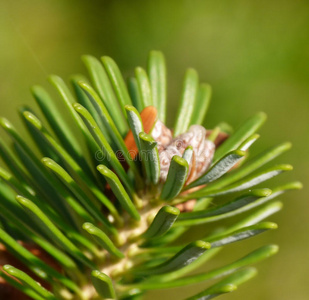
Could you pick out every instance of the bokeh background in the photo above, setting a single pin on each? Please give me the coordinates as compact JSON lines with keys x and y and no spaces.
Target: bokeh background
{"x":255,"y":54}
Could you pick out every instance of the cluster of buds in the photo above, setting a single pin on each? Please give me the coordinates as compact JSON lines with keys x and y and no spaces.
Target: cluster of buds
{"x":203,"y":149}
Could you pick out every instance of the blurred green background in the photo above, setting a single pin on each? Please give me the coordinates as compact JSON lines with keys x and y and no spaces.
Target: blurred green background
{"x":255,"y":54}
